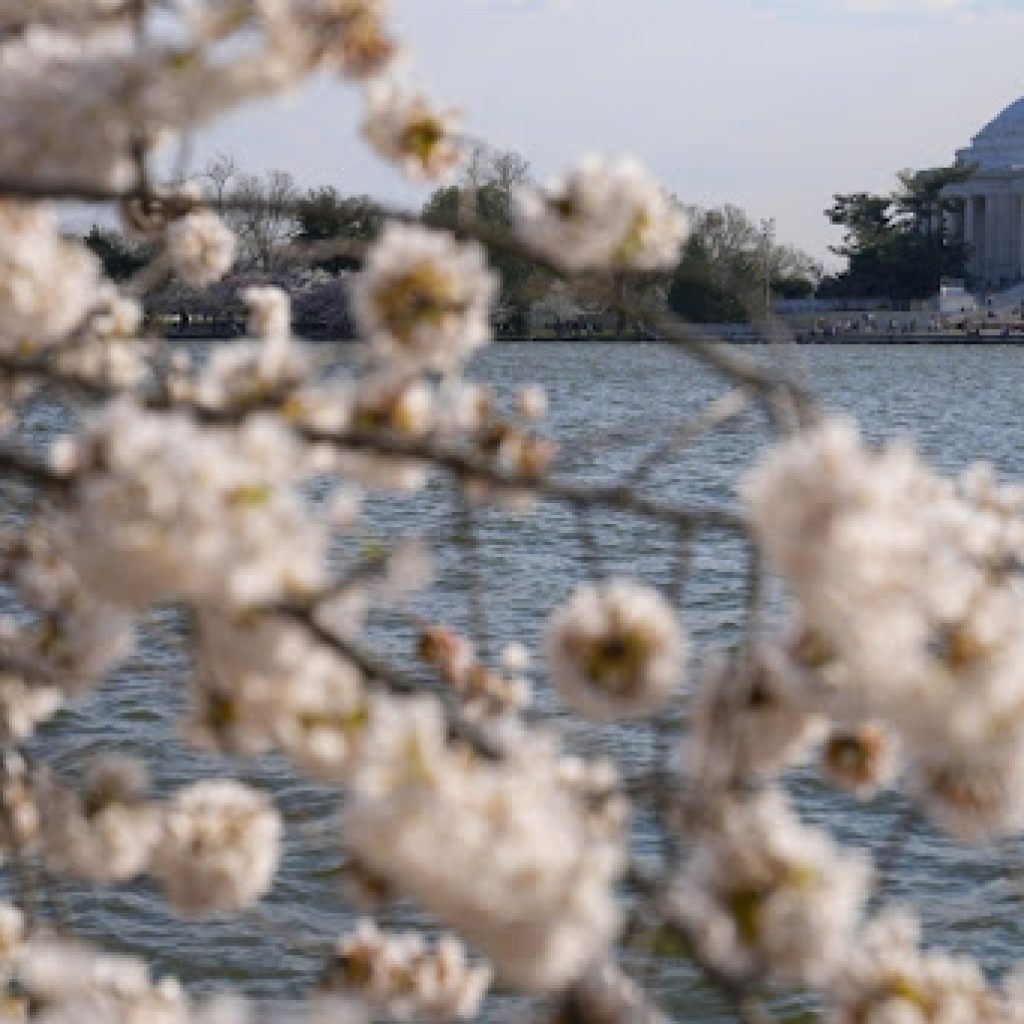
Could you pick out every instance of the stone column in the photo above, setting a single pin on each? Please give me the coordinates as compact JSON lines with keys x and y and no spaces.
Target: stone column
{"x":978,"y":239}
{"x":1020,"y":236}
{"x":968,"y":233}
{"x":1009,"y":256}
{"x":991,"y":265}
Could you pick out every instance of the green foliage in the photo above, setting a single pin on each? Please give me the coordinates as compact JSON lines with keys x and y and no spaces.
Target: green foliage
{"x":721,"y":276}
{"x":895,"y":245}
{"x":695,"y":296}
{"x":323,"y":214}
{"x":120,"y":259}
{"x":792,"y":288}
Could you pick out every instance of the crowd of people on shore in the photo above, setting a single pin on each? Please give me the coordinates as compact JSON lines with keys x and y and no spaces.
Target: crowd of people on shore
{"x":1004,"y":324}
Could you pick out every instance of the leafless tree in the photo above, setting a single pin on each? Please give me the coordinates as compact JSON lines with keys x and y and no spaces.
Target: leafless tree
{"x":263,"y":215}
{"x":219,"y":173}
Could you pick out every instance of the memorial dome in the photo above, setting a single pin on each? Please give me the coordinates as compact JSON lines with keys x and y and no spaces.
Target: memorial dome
{"x":1000,"y":144}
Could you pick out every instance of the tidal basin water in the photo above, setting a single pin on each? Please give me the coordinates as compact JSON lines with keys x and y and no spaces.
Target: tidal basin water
{"x":609,"y":403}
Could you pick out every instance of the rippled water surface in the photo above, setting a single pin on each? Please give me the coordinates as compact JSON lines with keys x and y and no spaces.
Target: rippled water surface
{"x":609,"y":403}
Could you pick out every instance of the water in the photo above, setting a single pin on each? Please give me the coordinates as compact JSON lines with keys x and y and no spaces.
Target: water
{"x":609,"y":403}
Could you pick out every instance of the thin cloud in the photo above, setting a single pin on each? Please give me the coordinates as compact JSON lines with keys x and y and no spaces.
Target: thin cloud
{"x":963,"y":11}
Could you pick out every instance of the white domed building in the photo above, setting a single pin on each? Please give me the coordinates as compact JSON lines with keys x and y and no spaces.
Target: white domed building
{"x":992,"y":221}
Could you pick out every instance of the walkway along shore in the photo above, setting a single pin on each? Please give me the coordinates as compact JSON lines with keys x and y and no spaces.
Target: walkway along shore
{"x":735,"y":334}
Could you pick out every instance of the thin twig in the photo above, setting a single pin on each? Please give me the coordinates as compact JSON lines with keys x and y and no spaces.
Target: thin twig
{"x":376,"y":670}
{"x":885,"y":862}
{"x":755,"y":594}
{"x":468,"y":465}
{"x":475,"y":591}
{"x":18,"y":464}
{"x":589,"y":547}
{"x":285,"y":937}
{"x":681,"y":564}
{"x":722,"y":409}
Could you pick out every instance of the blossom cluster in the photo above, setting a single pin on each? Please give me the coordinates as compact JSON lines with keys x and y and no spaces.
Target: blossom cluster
{"x":423,"y":299}
{"x":56,"y":305}
{"x":48,"y":285}
{"x":485,"y":692}
{"x":764,"y":895}
{"x":63,"y":639}
{"x":263,"y":684}
{"x":602,"y":215}
{"x":616,"y":651}
{"x":213,"y":846}
{"x":910,"y":610}
{"x":527,"y":875}
{"x":402,"y":975}
{"x":208,"y":515}
{"x":227,"y":488}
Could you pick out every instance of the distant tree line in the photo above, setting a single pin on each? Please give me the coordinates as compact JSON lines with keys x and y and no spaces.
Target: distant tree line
{"x":726,"y":264}
{"x":720,"y":276}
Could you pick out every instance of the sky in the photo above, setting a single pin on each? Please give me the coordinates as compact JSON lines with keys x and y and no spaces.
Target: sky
{"x":770,"y":104}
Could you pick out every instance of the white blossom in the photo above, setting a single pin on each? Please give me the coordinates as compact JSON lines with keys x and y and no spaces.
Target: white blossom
{"x":748,"y":716}
{"x":406,"y":978}
{"x":263,"y":683}
{"x":349,"y":36}
{"x":888,"y":979}
{"x":912,"y":610}
{"x":405,"y":129}
{"x":861,"y":758}
{"x":107,"y":832}
{"x":532,"y":402}
{"x":394,"y":403}
{"x":201,"y":247}
{"x":166,"y":508}
{"x":423,"y":299}
{"x":73,"y":639}
{"x":515,"y":657}
{"x":601,"y":215}
{"x":973,"y":795}
{"x":55,"y":82}
{"x":108,"y":349}
{"x":19,"y":805}
{"x":270,"y":314}
{"x":73,"y":984}
{"x":219,"y":847}
{"x":616,"y":650}
{"x":24,"y":706}
{"x":522,"y":877}
{"x":321,"y":722}
{"x":272,"y":367}
{"x":48,"y":285}
{"x":13,"y":932}
{"x":765,"y":895}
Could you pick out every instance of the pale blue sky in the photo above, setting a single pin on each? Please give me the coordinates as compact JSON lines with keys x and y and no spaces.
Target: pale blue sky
{"x":772,"y":104}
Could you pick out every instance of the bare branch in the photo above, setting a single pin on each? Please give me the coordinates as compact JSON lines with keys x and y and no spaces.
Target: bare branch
{"x":470,"y":542}
{"x":467,"y":465}
{"x":719,"y":411}
{"x":376,"y":670}
{"x":23,"y":467}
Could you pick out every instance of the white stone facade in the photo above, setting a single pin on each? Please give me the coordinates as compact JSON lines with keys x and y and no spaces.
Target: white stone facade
{"x":992,"y":221}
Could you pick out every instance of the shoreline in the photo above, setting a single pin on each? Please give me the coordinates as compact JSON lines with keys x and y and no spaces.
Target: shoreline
{"x":716,"y":333}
